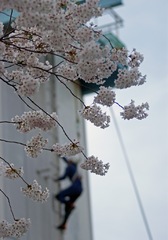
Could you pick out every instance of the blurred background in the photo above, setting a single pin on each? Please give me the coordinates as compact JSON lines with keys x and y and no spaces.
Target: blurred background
{"x":116,"y":212}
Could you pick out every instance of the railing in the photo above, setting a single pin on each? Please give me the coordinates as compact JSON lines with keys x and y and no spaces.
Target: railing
{"x":113,"y":24}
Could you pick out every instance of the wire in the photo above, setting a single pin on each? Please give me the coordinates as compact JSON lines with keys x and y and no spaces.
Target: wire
{"x":132,"y":176}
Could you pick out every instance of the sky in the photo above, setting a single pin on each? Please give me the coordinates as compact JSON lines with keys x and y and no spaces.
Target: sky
{"x":115,"y":211}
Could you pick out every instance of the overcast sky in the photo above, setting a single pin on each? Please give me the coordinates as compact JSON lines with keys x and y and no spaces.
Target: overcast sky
{"x":115,"y":211}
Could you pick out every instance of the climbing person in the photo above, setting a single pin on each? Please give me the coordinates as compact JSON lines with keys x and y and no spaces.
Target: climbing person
{"x":69,"y":195}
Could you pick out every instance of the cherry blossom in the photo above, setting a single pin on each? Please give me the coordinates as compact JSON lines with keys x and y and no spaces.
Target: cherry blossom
{"x":105,"y":96}
{"x":132,"y":111}
{"x":68,"y":149}
{"x":129,"y":77}
{"x":35,"y":146}
{"x":95,"y":165}
{"x":95,"y":115}
{"x":120,"y":55}
{"x":10,"y":171}
{"x":67,"y":72}
{"x":17,"y":229}
{"x":135,"y":59}
{"x":35,"y":119}
{"x":35,"y":192}
{"x":94,"y":64}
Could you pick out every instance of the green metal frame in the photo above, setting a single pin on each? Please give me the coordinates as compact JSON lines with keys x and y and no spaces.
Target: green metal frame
{"x":111,"y":38}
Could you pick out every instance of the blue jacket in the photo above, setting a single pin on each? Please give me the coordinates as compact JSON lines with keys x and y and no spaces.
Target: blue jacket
{"x":70,"y":170}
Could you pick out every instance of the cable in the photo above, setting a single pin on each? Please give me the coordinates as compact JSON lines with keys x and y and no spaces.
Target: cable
{"x":132,"y":177}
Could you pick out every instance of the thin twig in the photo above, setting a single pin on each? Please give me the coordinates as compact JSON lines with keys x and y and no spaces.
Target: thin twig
{"x":15,"y":171}
{"x":10,"y":141}
{"x":9,"y":203}
{"x":8,"y":122}
{"x":8,"y":83}
{"x":119,"y":105}
{"x":69,"y":90}
{"x":57,"y":123}
{"x":50,"y":117}
{"x":108,"y":40}
{"x":26,"y":103}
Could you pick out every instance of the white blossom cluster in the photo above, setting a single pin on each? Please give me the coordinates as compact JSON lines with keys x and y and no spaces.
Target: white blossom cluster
{"x":96,"y":116}
{"x":10,"y":171}
{"x":132,"y":111}
{"x":105,"y":96}
{"x":24,"y":50}
{"x":35,"y":119}
{"x":86,"y":34}
{"x":135,"y":59}
{"x":94,"y":63}
{"x":21,"y":39}
{"x":68,"y":149}
{"x":27,"y":85}
{"x":58,"y":21}
{"x":15,"y":230}
{"x":95,"y":165}
{"x":129,"y":74}
{"x":129,"y":77}
{"x":27,"y":82}
{"x":60,"y":28}
{"x":35,"y":192}
{"x":35,"y":146}
{"x":120,"y":56}
{"x":67,"y":72}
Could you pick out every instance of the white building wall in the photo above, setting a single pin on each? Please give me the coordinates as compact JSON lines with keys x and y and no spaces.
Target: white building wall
{"x":44,"y":217}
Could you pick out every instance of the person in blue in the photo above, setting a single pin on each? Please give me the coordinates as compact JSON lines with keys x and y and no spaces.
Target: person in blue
{"x":69,"y":195}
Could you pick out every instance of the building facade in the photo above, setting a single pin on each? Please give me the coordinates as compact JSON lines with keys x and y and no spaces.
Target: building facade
{"x":46,"y":216}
